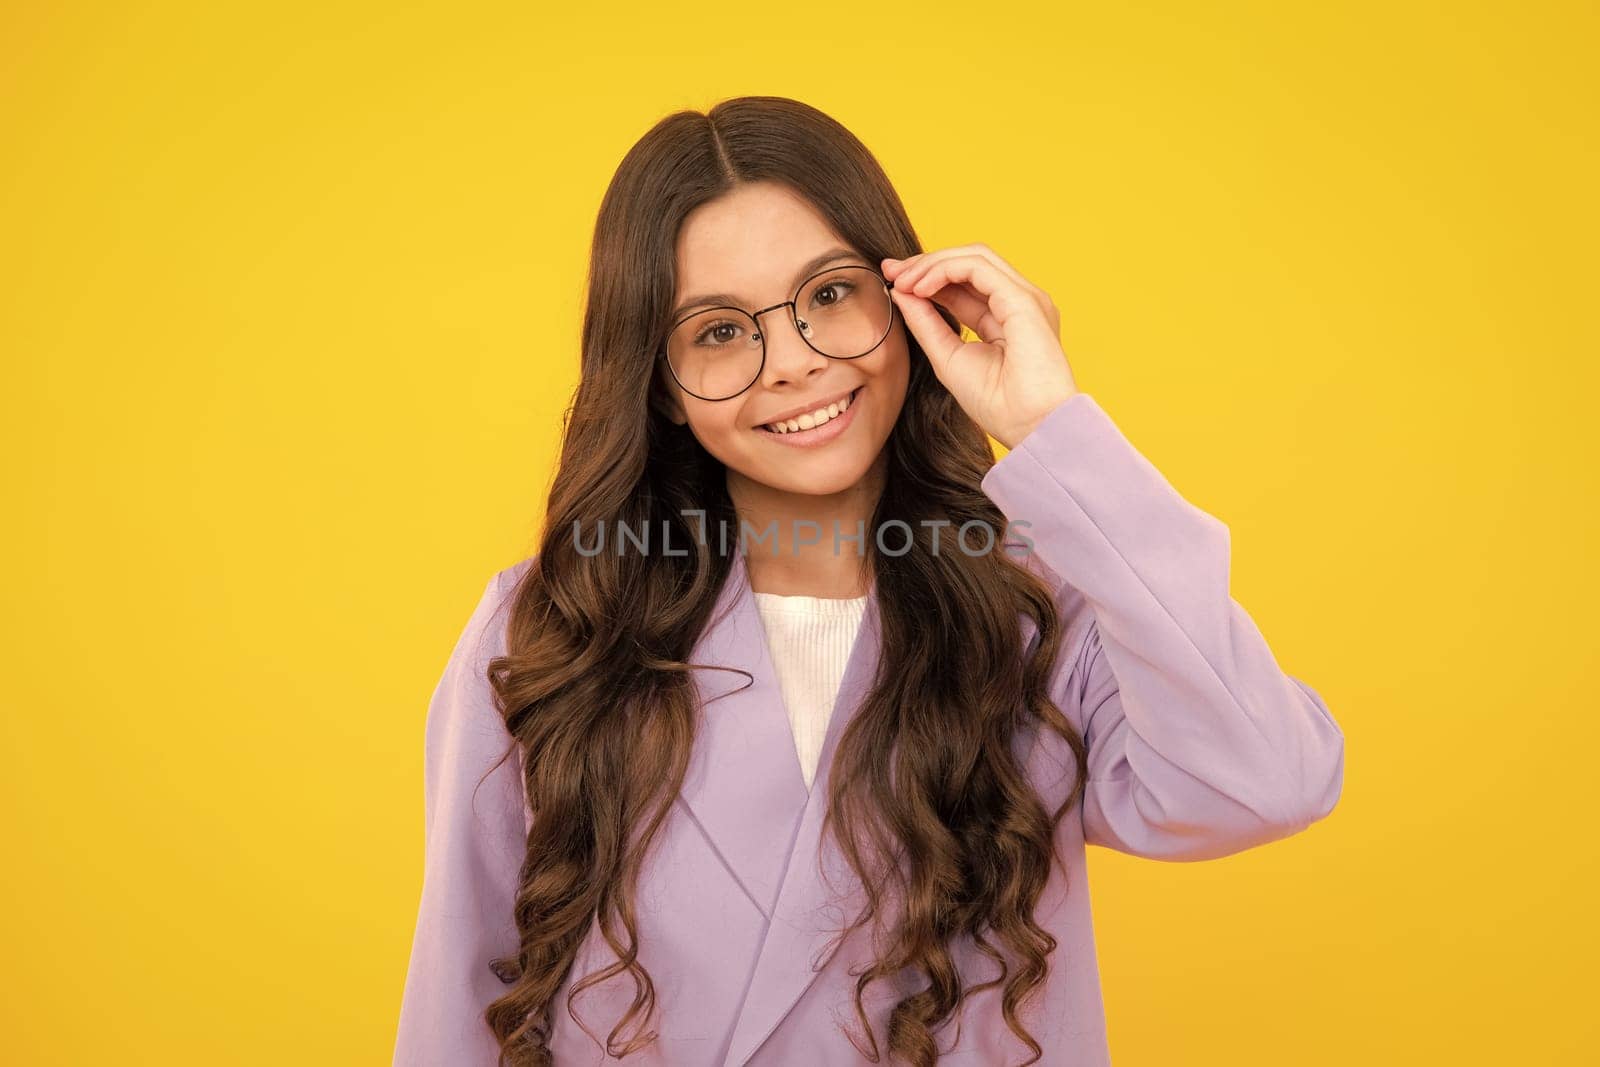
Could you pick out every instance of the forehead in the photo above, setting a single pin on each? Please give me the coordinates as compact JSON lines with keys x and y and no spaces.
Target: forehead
{"x":750,"y":241}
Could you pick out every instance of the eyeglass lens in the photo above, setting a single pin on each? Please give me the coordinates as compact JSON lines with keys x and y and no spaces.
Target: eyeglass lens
{"x":844,"y":313}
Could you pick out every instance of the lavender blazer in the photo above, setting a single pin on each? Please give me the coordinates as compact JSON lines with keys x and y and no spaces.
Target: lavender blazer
{"x":1199,"y":746}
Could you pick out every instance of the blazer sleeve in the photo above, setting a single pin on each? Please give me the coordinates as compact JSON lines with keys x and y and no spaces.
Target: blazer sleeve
{"x":475,"y":839}
{"x":1199,"y":746}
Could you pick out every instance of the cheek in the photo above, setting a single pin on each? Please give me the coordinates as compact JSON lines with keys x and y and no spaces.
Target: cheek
{"x":897,"y":350}
{"x":893,"y":374}
{"x":715,"y":428}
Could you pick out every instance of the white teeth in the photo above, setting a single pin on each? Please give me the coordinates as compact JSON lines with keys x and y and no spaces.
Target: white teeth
{"x":811,"y":419}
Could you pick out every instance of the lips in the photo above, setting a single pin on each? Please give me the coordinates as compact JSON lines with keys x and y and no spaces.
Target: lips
{"x":810,"y":420}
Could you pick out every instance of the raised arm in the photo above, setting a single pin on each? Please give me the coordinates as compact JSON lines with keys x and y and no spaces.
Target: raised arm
{"x":475,"y":840}
{"x":1199,"y":745}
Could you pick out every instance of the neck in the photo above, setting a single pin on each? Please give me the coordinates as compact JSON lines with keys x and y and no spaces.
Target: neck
{"x":793,"y":558}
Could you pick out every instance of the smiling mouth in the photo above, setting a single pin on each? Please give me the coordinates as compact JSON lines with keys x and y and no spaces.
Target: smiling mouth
{"x":811,"y":420}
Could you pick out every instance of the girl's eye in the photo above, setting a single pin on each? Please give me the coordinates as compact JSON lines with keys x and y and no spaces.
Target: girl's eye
{"x":717,"y":333}
{"x":832,"y":293}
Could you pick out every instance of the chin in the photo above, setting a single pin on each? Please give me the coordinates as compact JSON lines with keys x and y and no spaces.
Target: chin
{"x":837,"y":478}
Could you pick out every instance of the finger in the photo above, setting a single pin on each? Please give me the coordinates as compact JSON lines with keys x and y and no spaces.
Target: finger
{"x":1016,"y":275}
{"x":980,"y":249}
{"x":1023,"y":322}
{"x":1052,"y":314}
{"x":892,"y":268}
{"x":921,"y":263}
{"x":1006,"y":299}
{"x":905,"y":273}
{"x":969,"y":306}
{"x":910,"y":277}
{"x":933,"y":334}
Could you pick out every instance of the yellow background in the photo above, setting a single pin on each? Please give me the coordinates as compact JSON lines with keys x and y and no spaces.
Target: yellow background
{"x":289,"y":301}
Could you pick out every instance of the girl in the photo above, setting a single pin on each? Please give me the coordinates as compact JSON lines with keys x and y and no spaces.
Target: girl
{"x":786,"y":744}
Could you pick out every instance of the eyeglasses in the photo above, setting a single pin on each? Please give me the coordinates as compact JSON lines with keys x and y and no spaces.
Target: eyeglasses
{"x":842,"y":312}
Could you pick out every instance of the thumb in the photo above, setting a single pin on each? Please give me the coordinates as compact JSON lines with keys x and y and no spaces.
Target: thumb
{"x":927,"y":326}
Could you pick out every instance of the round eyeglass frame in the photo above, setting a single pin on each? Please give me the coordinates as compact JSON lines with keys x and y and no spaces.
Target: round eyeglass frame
{"x":794,"y":317}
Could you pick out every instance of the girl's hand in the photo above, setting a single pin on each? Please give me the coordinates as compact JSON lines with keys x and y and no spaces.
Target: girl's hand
{"x":1017,"y":374}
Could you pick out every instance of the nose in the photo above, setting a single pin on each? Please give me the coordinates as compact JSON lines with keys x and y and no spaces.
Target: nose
{"x":789,"y":357}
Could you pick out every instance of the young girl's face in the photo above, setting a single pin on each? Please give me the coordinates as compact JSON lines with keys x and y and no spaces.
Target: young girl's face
{"x":754,"y":245}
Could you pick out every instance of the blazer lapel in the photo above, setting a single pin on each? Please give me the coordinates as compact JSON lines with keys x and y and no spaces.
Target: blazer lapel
{"x":744,"y":786}
{"x":802,"y":921}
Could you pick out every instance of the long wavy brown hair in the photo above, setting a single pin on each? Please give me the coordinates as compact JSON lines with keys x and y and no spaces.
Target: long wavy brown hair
{"x":928,"y":801}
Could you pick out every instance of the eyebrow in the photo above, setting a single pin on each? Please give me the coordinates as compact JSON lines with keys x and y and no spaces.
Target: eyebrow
{"x":809,"y":268}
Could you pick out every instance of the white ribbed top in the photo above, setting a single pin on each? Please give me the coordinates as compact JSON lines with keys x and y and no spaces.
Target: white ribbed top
{"x":810,"y":639}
